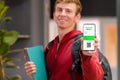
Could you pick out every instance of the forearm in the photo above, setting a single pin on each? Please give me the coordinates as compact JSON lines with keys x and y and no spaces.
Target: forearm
{"x":91,"y":67}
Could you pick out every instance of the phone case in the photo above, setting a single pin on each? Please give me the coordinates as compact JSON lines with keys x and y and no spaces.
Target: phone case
{"x":89,"y":32}
{"x":36,"y":55}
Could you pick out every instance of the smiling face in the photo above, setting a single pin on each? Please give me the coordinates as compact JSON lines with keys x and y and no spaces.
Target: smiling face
{"x":65,"y":15}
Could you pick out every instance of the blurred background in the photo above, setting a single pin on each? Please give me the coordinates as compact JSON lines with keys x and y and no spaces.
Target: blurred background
{"x":34,"y":21}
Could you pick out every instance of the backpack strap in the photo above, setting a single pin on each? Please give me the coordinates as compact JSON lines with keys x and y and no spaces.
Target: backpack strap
{"x":76,"y":56}
{"x":48,"y":46}
{"x":105,"y":66}
{"x":46,"y":51}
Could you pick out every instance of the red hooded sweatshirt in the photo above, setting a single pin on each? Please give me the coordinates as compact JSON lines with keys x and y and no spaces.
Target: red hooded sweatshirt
{"x":59,"y":61}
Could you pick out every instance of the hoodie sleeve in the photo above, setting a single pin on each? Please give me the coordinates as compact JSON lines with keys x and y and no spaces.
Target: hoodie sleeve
{"x":92,"y":70}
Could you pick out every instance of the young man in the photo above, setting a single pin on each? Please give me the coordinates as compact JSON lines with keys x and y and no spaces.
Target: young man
{"x":59,"y":57}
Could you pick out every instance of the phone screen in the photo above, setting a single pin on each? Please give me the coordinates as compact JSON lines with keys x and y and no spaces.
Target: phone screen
{"x":89,"y":33}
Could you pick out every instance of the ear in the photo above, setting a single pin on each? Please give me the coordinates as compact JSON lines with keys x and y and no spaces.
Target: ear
{"x":78,"y":16}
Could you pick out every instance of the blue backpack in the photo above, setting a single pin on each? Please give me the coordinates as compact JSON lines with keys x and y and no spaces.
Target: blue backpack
{"x":77,"y":63}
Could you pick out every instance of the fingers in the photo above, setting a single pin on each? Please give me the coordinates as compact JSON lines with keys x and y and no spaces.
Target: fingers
{"x":96,"y":43}
{"x":30,"y":68}
{"x":89,"y":52}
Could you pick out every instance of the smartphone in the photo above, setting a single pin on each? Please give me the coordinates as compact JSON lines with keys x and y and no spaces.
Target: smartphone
{"x":89,"y":33}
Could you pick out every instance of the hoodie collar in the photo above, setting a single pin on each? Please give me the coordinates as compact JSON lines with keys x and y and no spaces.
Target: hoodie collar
{"x":68,"y":36}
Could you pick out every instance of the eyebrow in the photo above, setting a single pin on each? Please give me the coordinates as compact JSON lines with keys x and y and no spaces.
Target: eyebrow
{"x":63,"y":8}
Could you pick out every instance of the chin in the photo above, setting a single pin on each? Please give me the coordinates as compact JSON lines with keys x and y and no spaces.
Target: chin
{"x":61,"y":26}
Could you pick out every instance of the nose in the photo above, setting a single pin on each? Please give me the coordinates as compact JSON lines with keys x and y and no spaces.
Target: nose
{"x":63,"y":13}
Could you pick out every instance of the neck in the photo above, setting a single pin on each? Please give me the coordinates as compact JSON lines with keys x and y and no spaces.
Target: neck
{"x":63,"y":32}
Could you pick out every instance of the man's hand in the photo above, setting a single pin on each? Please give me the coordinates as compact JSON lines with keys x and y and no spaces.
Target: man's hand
{"x":89,"y":52}
{"x":30,"y":68}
